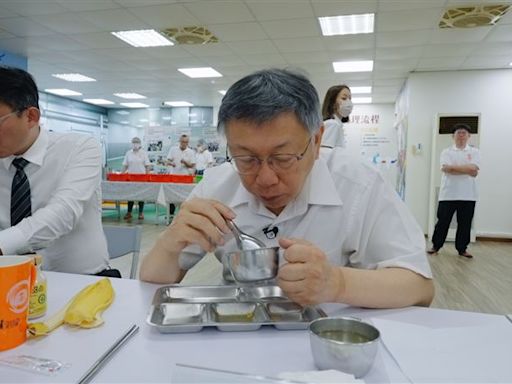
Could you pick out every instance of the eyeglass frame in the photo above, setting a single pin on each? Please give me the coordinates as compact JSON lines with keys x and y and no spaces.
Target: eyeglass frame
{"x":5,"y":117}
{"x":298,"y":158}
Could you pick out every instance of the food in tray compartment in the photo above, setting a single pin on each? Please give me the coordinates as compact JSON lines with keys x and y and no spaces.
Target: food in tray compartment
{"x":181,"y":313}
{"x":234,"y":312}
{"x":285,"y":311}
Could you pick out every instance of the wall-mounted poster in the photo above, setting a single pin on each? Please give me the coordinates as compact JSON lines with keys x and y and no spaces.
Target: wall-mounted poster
{"x":370,"y":134}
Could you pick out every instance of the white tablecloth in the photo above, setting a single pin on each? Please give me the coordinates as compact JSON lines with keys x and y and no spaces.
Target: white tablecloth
{"x":151,"y":357}
{"x":163,"y":193}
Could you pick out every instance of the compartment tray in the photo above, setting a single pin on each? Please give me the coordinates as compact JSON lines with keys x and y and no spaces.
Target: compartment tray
{"x":171,"y":302}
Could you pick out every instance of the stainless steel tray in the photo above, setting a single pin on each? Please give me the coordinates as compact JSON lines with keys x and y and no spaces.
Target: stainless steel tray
{"x":177,"y":309}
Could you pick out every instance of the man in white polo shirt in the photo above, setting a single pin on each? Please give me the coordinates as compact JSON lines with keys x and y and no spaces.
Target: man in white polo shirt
{"x":460,"y":165}
{"x":181,"y":158}
{"x":345,"y":234}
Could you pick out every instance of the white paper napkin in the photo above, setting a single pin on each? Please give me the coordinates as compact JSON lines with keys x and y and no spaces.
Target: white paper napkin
{"x":318,"y":377}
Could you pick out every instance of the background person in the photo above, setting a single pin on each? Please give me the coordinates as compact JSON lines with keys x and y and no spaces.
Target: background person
{"x":181,"y":158}
{"x":50,"y":196}
{"x":204,"y":158}
{"x":136,"y":160}
{"x":346,"y":235}
{"x":460,"y":165}
{"x":336,"y":110}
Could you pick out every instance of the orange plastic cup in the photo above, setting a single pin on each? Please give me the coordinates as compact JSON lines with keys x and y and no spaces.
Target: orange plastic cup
{"x":17,"y":277}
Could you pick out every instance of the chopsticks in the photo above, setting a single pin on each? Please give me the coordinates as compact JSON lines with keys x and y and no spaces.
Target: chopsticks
{"x":98,"y":364}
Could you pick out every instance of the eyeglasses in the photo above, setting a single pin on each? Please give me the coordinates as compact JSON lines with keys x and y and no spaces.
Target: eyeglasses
{"x":5,"y":117}
{"x":279,"y":162}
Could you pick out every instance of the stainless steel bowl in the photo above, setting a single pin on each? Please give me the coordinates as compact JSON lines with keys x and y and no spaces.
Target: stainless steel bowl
{"x":346,"y":344}
{"x":251,"y":266}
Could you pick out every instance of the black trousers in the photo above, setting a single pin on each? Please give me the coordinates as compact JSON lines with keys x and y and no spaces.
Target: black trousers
{"x":141,"y":206}
{"x":445,"y":211}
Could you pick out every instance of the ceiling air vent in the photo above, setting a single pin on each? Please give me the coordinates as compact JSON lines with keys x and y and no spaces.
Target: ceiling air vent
{"x":473,"y":16}
{"x":190,"y":35}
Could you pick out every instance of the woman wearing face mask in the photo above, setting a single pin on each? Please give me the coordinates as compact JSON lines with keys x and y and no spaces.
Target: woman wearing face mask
{"x":336,"y":109}
{"x":136,"y":160}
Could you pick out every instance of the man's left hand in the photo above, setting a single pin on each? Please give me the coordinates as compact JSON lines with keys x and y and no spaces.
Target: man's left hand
{"x":308,"y":278}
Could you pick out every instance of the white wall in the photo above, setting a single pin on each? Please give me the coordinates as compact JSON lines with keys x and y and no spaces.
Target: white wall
{"x":488,"y":92}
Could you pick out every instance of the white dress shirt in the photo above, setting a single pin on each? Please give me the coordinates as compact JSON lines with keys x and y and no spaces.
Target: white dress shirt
{"x":345,"y":208}
{"x":65,"y":227}
{"x":176,"y":154}
{"x":136,"y":161}
{"x":334,"y":135}
{"x":203,"y":159}
{"x":459,"y":187}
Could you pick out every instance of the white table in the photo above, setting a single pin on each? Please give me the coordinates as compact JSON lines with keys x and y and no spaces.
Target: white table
{"x":159,"y":193}
{"x":151,"y":356}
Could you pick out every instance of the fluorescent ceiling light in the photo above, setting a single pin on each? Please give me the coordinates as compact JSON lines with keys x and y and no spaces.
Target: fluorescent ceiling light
{"x":99,"y":101}
{"x":130,"y":95}
{"x":200,"y":72}
{"x":124,"y":122}
{"x":143,"y":120}
{"x":354,"y":90}
{"x":134,"y":105}
{"x":222,"y":92}
{"x":75,"y":77}
{"x":362,"y":100}
{"x":143,"y":38}
{"x":123,"y":112}
{"x":63,"y":92}
{"x":166,"y":118}
{"x":179,"y":103}
{"x":353,"y":66}
{"x":347,"y":24}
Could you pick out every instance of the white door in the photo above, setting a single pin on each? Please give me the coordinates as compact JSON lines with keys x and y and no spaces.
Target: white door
{"x":440,"y":142}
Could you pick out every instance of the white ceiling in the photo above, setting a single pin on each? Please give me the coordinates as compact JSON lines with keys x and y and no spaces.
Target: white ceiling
{"x":64,"y":36}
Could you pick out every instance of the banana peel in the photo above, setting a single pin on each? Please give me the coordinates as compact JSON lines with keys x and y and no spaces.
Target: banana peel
{"x":83,"y":310}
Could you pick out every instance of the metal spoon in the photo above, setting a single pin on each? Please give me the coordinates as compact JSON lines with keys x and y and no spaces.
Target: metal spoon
{"x":243,"y":240}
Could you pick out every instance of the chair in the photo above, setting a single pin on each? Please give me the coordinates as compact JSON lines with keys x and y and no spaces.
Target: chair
{"x":122,"y":241}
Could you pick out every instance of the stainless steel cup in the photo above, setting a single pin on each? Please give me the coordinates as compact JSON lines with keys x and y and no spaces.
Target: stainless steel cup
{"x":249,"y":266}
{"x":346,"y":344}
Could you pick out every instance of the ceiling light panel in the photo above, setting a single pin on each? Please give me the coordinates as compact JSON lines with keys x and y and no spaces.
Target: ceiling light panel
{"x":130,"y":95}
{"x":134,"y":105}
{"x":200,"y":72}
{"x":74,"y":77}
{"x":355,"y":90}
{"x":353,"y":66}
{"x":63,"y":92}
{"x":347,"y":24}
{"x":361,"y":100}
{"x":143,"y":38}
{"x":178,"y":103}
{"x":99,"y":101}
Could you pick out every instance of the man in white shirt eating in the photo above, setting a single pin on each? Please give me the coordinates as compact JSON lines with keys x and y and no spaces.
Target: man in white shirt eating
{"x":346,"y":235}
{"x":50,"y":196}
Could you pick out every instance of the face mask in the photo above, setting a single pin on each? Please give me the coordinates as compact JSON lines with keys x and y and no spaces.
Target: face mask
{"x":136,"y":146}
{"x":346,"y":108}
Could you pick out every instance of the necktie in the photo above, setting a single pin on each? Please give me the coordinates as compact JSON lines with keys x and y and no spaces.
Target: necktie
{"x":20,"y":193}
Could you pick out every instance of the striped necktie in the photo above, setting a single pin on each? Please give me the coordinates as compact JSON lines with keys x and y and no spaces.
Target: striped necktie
{"x":20,"y":193}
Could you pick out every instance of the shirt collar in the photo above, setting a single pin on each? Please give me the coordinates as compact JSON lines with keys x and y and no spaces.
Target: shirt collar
{"x":458,"y":149}
{"x":319,"y":189}
{"x":35,"y":154}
